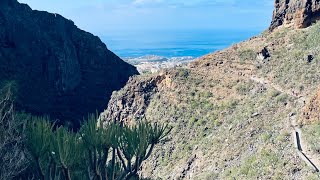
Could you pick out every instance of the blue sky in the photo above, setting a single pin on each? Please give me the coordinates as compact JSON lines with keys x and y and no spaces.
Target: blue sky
{"x":105,"y":16}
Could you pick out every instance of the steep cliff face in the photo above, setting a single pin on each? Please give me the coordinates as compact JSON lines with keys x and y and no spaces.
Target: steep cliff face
{"x":60,"y":70}
{"x":302,"y":13}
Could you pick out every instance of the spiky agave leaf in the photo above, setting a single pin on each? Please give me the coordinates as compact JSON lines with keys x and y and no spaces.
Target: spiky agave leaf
{"x":38,"y":134}
{"x":99,"y":136}
{"x":143,"y":129}
{"x":112,"y":133}
{"x":67,"y":148}
{"x":159,"y":132}
{"x":129,"y":141}
{"x":91,"y":134}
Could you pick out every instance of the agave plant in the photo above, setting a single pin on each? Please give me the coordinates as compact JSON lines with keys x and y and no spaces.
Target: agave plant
{"x":67,"y":151}
{"x":98,"y":141}
{"x":128,"y":148}
{"x":60,"y":154}
{"x":136,"y":145}
{"x":111,"y":134}
{"x":38,"y":136}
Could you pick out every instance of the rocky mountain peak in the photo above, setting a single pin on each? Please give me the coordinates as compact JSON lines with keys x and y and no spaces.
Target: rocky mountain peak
{"x":300,"y":13}
{"x":61,"y":70}
{"x":9,"y":2}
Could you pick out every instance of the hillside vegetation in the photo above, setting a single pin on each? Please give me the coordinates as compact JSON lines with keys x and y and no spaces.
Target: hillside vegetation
{"x":233,"y":114}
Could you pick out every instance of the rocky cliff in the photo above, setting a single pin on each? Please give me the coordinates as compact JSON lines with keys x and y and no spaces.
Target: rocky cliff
{"x":301,"y":13}
{"x":131,"y":101}
{"x":60,"y":70}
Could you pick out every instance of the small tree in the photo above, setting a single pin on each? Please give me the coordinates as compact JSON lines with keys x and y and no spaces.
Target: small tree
{"x":113,"y":151}
{"x":136,"y":145}
{"x":67,"y":151}
{"x":98,"y":141}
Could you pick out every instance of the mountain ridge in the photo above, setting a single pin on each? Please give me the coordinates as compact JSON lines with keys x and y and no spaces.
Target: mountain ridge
{"x":60,"y":70}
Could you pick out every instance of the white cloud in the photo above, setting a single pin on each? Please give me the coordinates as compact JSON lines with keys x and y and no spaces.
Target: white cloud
{"x":144,"y":2}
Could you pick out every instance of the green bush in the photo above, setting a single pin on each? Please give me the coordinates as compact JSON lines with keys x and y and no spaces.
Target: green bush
{"x":243,"y":88}
{"x":247,"y":54}
{"x":182,"y":73}
{"x":282,"y":98}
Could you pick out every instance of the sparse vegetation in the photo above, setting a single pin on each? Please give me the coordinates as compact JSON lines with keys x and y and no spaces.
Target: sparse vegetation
{"x":224,"y":117}
{"x":247,"y":54}
{"x":312,"y":133}
{"x":206,"y":124}
{"x":282,"y":98}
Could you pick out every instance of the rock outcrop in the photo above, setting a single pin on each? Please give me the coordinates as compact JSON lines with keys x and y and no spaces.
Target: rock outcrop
{"x":302,"y":13}
{"x":60,"y":70}
{"x":311,"y":112}
{"x":131,"y":102}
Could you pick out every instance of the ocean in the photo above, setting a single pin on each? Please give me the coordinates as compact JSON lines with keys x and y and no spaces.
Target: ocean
{"x":169,"y":43}
{"x":153,"y":50}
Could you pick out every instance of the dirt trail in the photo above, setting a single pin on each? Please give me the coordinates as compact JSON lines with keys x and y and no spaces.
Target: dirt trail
{"x":303,"y":148}
{"x":269,"y":84}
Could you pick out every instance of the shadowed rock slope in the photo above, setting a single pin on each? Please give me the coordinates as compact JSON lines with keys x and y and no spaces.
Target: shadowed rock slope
{"x":232,"y":111}
{"x":60,"y":70}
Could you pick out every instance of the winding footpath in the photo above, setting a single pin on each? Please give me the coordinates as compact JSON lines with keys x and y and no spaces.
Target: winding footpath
{"x":302,"y":147}
{"x":269,"y":84}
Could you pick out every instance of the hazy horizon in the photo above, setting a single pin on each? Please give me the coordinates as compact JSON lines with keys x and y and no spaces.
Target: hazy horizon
{"x":176,"y":28}
{"x":118,"y":16}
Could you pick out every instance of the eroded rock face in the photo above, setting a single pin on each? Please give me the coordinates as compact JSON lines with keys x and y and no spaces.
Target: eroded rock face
{"x":131,"y":102}
{"x":311,"y":112}
{"x":61,"y":70}
{"x":302,"y":13}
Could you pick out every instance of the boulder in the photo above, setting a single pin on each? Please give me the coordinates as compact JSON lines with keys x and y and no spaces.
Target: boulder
{"x":310,"y":58}
{"x":263,"y":54}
